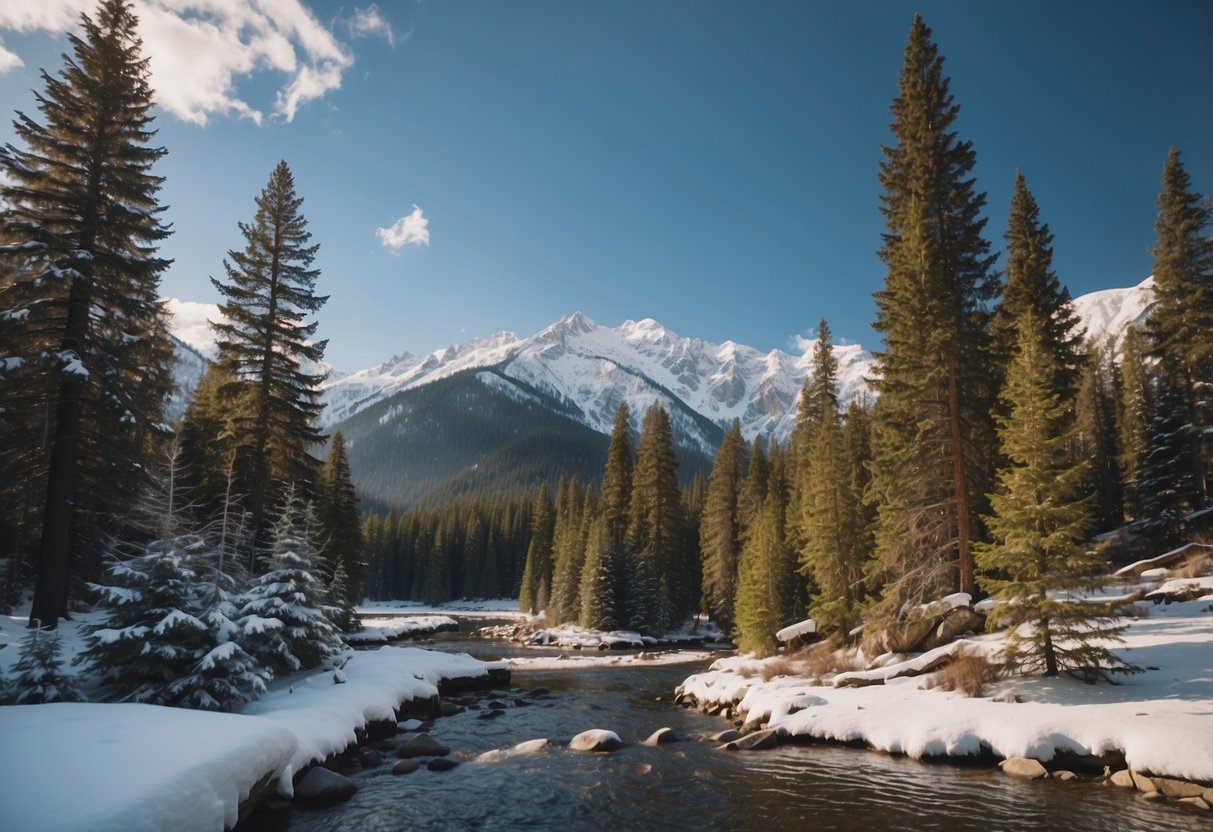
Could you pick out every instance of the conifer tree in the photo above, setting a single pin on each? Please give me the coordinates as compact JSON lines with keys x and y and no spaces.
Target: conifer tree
{"x":617,"y":481}
{"x":569,"y":553}
{"x":539,"y":554}
{"x":1180,"y":326}
{"x":764,"y":577}
{"x":1031,"y":285}
{"x":1133,"y":414}
{"x":655,"y":524}
{"x":1166,"y":488}
{"x":86,"y":360}
{"x":602,"y":580}
{"x":269,"y":291}
{"x":284,"y":622}
{"x":40,"y":675}
{"x":720,"y":528}
{"x":932,"y":435}
{"x":754,"y":489}
{"x":1095,"y":440}
{"x":1037,"y":559}
{"x":340,"y":529}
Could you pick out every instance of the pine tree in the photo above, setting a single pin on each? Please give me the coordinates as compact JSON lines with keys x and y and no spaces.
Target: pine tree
{"x":1133,"y":413}
{"x":1095,"y":439}
{"x":1166,"y":488}
{"x":340,"y":529}
{"x":266,"y":344}
{"x":932,"y":435}
{"x":602,"y":580}
{"x":617,"y":481}
{"x":764,"y":576}
{"x":754,"y":489}
{"x":1032,"y":286}
{"x":655,"y":526}
{"x":1180,"y":326}
{"x":40,"y":676}
{"x":1037,"y":559}
{"x":284,"y":622}
{"x":87,"y":360}
{"x":539,"y":554}
{"x":720,"y":529}
{"x":568,"y":552}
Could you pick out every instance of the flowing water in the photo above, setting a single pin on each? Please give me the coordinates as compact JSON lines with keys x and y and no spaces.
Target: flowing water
{"x":690,"y":784}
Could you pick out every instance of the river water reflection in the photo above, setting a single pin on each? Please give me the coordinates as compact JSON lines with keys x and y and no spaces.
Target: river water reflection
{"x":691,"y":785}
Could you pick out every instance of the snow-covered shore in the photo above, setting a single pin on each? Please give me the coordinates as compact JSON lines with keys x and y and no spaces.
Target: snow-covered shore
{"x":190,"y":770}
{"x":490,"y":608}
{"x":379,"y":629}
{"x":1161,"y":720}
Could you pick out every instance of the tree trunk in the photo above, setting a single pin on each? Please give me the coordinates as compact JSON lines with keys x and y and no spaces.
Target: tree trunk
{"x":964,"y":525}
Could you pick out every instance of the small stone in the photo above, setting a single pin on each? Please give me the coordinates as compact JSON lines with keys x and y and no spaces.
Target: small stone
{"x":490,"y":715}
{"x":405,"y":766}
{"x":538,"y":692}
{"x":1198,"y":802}
{"x":449,"y":708}
{"x":1178,"y":788}
{"x":441,"y":764}
{"x":321,"y":787}
{"x":497,"y":705}
{"x":1064,"y":775}
{"x":596,"y":739}
{"x":661,"y":736}
{"x":370,"y":759}
{"x":409,"y":725}
{"x":1152,"y":796}
{"x":1144,"y":784}
{"x":521,"y":703}
{"x":1023,"y":767}
{"x":423,"y":745}
{"x":726,"y":736}
{"x":1122,"y":778}
{"x":758,"y":741}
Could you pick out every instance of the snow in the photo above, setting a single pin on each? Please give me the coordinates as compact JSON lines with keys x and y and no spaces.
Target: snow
{"x":1142,"y":566}
{"x":802,"y":628}
{"x":1182,"y":586}
{"x":1161,"y":719}
{"x":581,"y":661}
{"x":376,"y":629}
{"x":127,"y":767}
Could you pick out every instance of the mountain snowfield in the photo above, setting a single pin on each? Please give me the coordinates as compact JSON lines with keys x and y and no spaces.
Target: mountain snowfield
{"x":592,"y":368}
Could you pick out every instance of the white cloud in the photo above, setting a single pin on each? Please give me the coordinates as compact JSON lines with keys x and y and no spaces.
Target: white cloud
{"x":8,"y":60}
{"x":411,"y":229}
{"x":369,"y":22}
{"x":191,"y":322}
{"x":201,"y":49}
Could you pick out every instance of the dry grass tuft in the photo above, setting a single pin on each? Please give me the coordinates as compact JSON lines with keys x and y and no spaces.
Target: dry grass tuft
{"x":1196,"y":565}
{"x":783,"y":666}
{"x":968,"y":673}
{"x":823,"y":660}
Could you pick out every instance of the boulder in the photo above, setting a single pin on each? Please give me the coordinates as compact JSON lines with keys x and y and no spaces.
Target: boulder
{"x":1122,"y":778}
{"x":1177,"y":788}
{"x":906,"y":636}
{"x":423,"y":745}
{"x":441,"y":764}
{"x":726,"y":736}
{"x":321,"y":787}
{"x":449,"y":708}
{"x":370,"y":758}
{"x":1144,"y":784}
{"x":955,"y":621}
{"x":405,"y":766}
{"x":1064,"y":775}
{"x":596,"y":739}
{"x":497,"y":705}
{"x":661,"y":736}
{"x":1023,"y":767}
{"x":757,"y":741}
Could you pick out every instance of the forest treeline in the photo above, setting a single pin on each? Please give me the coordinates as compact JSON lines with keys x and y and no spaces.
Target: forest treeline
{"x":997,"y":440}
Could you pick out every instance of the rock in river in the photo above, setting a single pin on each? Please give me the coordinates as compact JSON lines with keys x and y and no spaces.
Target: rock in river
{"x":321,"y":787}
{"x":423,"y":745}
{"x":596,"y":739}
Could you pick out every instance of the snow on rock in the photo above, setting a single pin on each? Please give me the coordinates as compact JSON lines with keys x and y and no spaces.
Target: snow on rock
{"x":129,"y":768}
{"x":383,"y":629}
{"x":801,"y":628}
{"x":1159,"y":719}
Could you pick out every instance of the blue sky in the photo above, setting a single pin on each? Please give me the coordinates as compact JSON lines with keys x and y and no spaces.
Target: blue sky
{"x":710,"y":165}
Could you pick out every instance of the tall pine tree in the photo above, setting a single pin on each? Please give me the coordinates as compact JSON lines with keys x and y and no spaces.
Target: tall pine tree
{"x":340,"y":528}
{"x":720,"y":527}
{"x":1180,"y":326}
{"x":263,"y":339}
{"x":655,"y":523}
{"x":86,"y":360}
{"x":932,"y":437}
{"x":1038,"y":557}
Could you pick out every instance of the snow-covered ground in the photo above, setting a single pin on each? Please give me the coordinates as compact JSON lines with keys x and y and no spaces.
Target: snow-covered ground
{"x":379,"y":629}
{"x":187,"y":770}
{"x":491,"y":608}
{"x":1161,"y":719}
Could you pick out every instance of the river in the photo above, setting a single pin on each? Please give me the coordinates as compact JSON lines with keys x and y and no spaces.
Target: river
{"x":690,"y":784}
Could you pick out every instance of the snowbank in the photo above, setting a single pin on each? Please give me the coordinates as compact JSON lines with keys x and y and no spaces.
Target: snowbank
{"x":379,"y":630}
{"x":578,"y":661}
{"x":491,"y":608}
{"x":1160,"y":719}
{"x":140,"y":767}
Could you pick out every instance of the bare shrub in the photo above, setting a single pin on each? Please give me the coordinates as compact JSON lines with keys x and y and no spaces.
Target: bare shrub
{"x":747,"y":671}
{"x":1196,"y":565}
{"x":783,"y":666}
{"x":822,"y":660}
{"x":968,"y":673}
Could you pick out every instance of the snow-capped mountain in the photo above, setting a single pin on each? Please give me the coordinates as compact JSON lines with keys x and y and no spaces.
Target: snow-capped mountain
{"x":590,"y":368}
